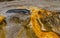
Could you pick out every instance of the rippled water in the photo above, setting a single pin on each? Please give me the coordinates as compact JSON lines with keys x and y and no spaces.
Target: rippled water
{"x":12,"y":29}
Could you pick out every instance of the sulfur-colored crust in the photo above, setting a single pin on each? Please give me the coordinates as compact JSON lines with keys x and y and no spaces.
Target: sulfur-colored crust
{"x":1,"y":18}
{"x":36,"y":26}
{"x":2,"y":32}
